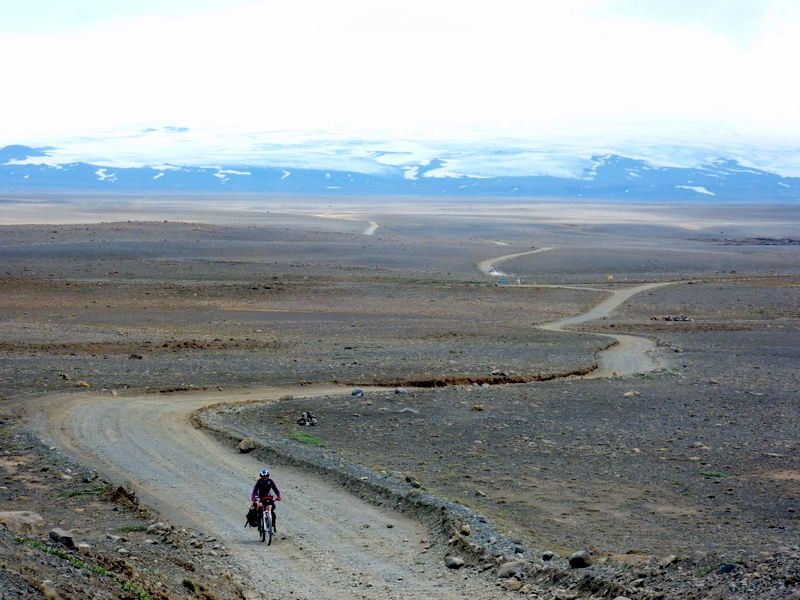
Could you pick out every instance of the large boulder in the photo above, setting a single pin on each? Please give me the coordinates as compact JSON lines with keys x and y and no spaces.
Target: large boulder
{"x":23,"y":521}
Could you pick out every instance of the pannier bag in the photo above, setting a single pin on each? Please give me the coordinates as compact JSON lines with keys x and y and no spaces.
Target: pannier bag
{"x":252,"y":517}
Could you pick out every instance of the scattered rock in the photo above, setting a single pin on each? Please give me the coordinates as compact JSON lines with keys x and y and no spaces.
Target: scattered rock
{"x":135,"y":357}
{"x":413,"y":482}
{"x":23,"y":521}
{"x":631,"y":393}
{"x":477,"y":407}
{"x":465,"y":529}
{"x":549,"y":555}
{"x":511,"y":569}
{"x":400,"y":390}
{"x":62,"y":537}
{"x":357,"y":392}
{"x":512,"y":584}
{"x":81,"y":384}
{"x":453,"y":562}
{"x":158,"y":528}
{"x":580,"y":560}
{"x":247,"y":445}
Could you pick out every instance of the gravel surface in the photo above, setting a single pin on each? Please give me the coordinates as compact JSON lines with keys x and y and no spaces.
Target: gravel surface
{"x":681,"y":483}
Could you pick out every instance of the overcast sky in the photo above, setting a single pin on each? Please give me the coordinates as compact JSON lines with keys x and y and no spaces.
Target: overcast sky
{"x":680,"y":67}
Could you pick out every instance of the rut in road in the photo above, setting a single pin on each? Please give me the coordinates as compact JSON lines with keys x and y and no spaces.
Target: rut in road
{"x":328,"y":544}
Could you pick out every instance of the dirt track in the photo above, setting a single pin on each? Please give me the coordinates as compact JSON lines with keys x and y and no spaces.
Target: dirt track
{"x":328,"y":545}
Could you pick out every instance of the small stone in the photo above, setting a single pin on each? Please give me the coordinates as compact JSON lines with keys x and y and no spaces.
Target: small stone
{"x":667,"y":560}
{"x":62,"y":537}
{"x":81,"y":384}
{"x":511,"y":568}
{"x":400,"y":390}
{"x":466,"y":529}
{"x":549,"y":555}
{"x":357,"y":392}
{"x":512,"y":584}
{"x":453,"y":562}
{"x":580,"y":560}
{"x":247,"y":445}
{"x":158,"y":527}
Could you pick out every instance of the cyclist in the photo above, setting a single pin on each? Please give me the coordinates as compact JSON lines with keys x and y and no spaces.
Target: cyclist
{"x":262,"y":493}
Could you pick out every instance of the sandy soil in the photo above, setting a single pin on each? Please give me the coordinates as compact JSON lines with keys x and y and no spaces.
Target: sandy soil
{"x":695,"y":459}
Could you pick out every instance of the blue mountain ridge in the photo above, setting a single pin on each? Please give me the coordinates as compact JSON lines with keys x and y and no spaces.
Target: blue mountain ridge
{"x":613,"y":177}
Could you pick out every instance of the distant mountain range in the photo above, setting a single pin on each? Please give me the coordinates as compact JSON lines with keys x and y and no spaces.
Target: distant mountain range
{"x":600,"y":176}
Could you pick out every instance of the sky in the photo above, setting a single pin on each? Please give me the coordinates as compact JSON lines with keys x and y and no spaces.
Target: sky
{"x":500,"y":87}
{"x":661,"y":66}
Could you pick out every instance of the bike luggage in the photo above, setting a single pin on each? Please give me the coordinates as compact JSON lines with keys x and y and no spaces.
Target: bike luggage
{"x":252,"y":517}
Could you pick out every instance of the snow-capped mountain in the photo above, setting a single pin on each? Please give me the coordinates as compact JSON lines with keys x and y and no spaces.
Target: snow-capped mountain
{"x":175,"y":160}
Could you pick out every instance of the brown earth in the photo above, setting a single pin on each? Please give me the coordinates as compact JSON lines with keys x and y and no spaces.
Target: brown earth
{"x":701,"y":462}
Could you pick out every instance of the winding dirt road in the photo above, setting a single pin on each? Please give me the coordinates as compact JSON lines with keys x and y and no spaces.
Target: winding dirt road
{"x":486,"y":266}
{"x":630,"y":354}
{"x":329,"y":545}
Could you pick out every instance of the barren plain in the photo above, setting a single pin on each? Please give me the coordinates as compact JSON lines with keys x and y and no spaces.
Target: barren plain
{"x":122,"y":316}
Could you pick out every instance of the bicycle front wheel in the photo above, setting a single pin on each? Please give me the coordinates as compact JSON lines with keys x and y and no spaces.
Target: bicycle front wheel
{"x":262,"y":526}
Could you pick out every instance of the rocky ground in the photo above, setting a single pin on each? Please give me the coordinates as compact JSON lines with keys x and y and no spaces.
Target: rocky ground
{"x":682,"y":483}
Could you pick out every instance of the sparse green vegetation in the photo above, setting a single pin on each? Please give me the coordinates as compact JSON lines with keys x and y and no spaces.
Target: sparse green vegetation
{"x":132,"y":528}
{"x":125,"y":586}
{"x":305,"y":438}
{"x":84,"y":492}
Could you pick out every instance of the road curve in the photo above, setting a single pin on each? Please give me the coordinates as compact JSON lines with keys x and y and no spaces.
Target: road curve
{"x":328,"y":546}
{"x":631,"y":354}
{"x":485,"y":266}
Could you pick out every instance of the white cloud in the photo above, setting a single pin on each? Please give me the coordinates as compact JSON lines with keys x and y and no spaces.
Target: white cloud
{"x":602,"y":66}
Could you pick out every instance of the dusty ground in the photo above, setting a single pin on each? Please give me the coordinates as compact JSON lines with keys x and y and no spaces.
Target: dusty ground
{"x":701,"y":462}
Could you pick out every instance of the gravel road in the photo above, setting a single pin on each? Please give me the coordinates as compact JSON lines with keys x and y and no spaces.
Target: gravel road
{"x":328,"y":545}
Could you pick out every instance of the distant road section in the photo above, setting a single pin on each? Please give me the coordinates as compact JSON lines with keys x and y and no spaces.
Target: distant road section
{"x":371,"y":229}
{"x":487,"y":266}
{"x":631,"y":354}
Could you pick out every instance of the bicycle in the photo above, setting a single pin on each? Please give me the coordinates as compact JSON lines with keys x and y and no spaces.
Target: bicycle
{"x":266,"y":522}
